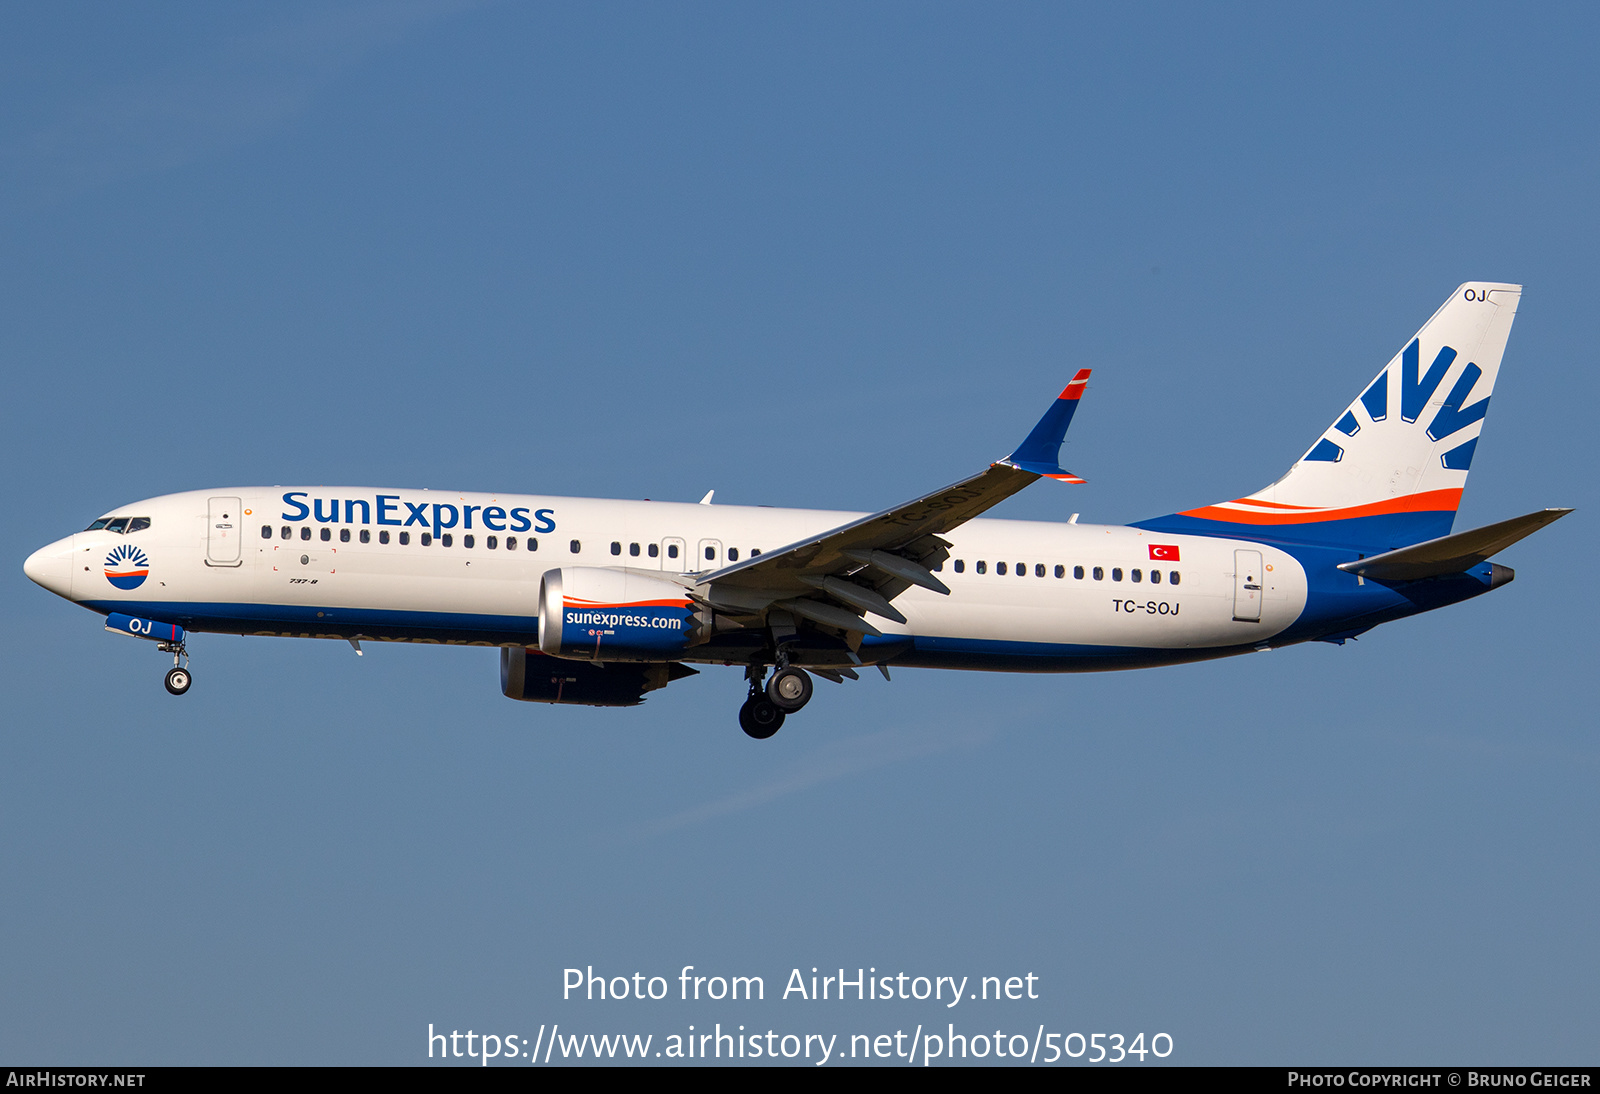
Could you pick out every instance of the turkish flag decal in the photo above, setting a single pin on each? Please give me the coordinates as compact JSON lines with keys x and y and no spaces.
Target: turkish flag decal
{"x":1163,"y":552}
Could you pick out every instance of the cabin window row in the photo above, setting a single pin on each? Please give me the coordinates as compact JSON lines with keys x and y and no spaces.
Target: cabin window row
{"x":654,"y":550}
{"x":364,"y":535}
{"x":1098,"y":573}
{"x":468,"y":540}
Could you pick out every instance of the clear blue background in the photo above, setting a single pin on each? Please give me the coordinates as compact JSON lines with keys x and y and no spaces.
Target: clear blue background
{"x":810,"y":255}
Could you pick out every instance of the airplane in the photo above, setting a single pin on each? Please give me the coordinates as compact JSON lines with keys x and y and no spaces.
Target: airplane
{"x":598,"y":602}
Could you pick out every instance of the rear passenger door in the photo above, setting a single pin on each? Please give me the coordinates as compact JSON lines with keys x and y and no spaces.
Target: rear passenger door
{"x":1247,"y":586}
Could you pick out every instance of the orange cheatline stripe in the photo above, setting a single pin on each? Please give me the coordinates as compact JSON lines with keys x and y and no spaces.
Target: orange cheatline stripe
{"x":576,"y":602}
{"x":1430,"y":501}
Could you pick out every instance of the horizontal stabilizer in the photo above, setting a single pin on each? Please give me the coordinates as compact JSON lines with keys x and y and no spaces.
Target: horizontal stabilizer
{"x":1451,"y":554}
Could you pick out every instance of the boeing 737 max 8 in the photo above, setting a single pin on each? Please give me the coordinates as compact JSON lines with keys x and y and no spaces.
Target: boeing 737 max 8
{"x":598,"y":602}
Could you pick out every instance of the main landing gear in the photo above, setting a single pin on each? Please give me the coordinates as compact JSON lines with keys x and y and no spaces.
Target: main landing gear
{"x":759,"y":717}
{"x":764,"y":711}
{"x":178,"y":677}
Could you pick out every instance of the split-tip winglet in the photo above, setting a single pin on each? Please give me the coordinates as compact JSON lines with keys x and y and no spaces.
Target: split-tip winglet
{"x":1040,"y":451}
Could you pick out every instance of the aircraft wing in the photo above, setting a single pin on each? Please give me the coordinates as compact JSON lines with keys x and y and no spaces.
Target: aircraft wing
{"x":834,"y":577}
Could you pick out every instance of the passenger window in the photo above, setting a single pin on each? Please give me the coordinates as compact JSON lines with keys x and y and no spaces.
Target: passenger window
{"x":733,"y":554}
{"x":1172,"y":578}
{"x":576,"y":546}
{"x":287,"y":531}
{"x":491,"y":542}
{"x":266,"y":531}
{"x":1077,"y":573}
{"x":511,"y":543}
{"x":327,"y":535}
{"x":961,"y":565}
{"x":1038,"y":570}
{"x":366,"y":536}
{"x":1137,"y":575}
{"x":533,"y":543}
{"x":999,"y":568}
{"x":446,"y":540}
{"x":982,"y":567}
{"x":672,"y":550}
{"x":118,"y":525}
{"x":654,"y":550}
{"x":467,"y":541}
{"x":405,"y":538}
{"x":1022,"y":569}
{"x":1155,"y":577}
{"x":1116,"y":573}
{"x":754,"y":551}
{"x":1099,"y":573}
{"x":383,"y":536}
{"x":305,"y":531}
{"x":1061,"y":571}
{"x":633,"y":550}
{"x":711,"y":554}
{"x":616,"y":548}
{"x":138,"y":524}
{"x":426,"y":539}
{"x":344,"y":535}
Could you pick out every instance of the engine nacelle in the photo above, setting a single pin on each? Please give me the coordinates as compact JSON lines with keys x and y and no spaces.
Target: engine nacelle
{"x":591,"y":614}
{"x":531,"y":676}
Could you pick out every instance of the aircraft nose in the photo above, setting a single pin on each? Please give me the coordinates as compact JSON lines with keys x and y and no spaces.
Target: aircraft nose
{"x":51,"y":567}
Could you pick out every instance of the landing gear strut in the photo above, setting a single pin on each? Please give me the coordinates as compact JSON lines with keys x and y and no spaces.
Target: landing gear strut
{"x":760,"y":717}
{"x":178,"y":678}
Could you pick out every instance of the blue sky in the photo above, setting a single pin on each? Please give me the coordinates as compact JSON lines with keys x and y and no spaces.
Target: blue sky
{"x":812,"y":255}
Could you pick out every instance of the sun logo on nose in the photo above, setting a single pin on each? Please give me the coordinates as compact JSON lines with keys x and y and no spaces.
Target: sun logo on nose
{"x":127,"y":567}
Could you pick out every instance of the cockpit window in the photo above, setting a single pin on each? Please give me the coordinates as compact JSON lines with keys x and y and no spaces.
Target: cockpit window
{"x":120,"y":525}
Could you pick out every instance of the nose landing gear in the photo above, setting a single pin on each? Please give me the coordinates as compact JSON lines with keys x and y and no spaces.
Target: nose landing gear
{"x":178,"y":677}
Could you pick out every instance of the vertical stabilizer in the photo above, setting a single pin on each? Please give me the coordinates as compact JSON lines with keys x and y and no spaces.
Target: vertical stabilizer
{"x":1390,"y":470}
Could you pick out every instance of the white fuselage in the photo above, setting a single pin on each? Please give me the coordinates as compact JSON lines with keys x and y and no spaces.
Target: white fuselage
{"x":311,"y":562}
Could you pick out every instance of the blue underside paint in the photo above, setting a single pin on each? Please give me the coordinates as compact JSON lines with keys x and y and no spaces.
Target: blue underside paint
{"x":1337,"y":604}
